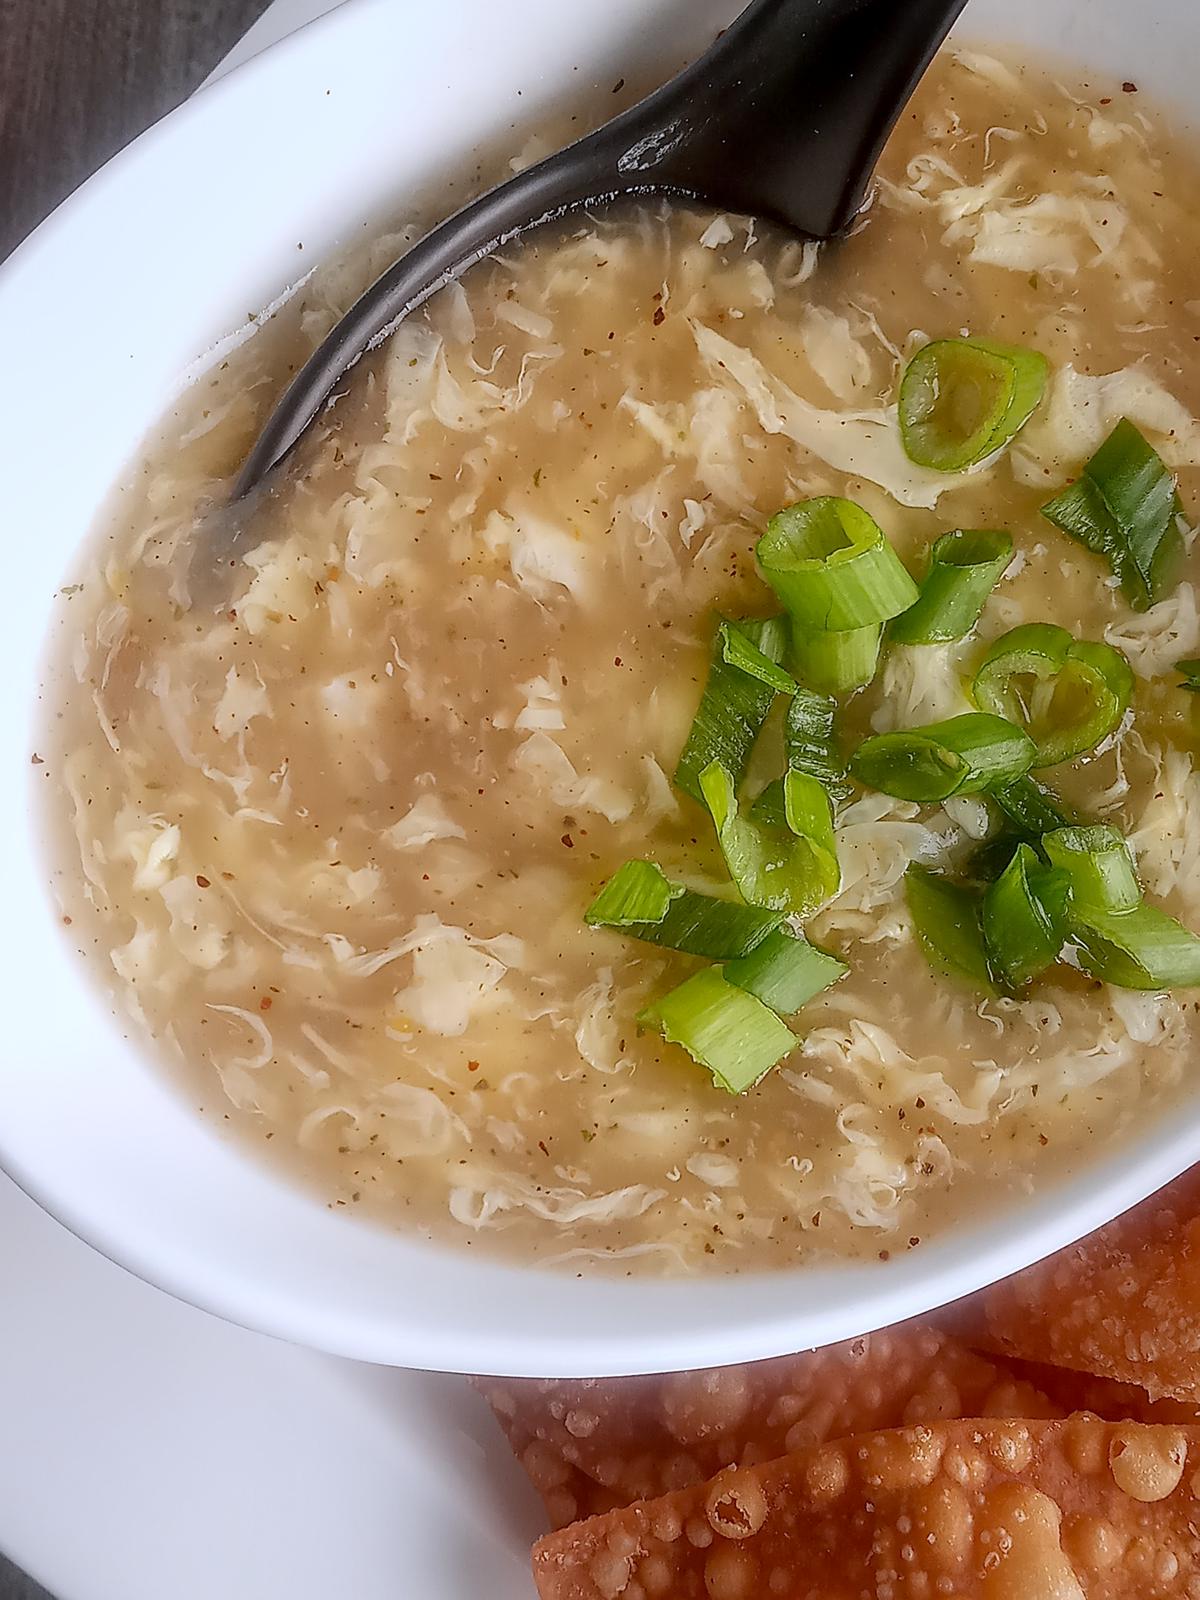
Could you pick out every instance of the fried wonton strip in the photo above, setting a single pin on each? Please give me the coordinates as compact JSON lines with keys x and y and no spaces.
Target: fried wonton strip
{"x":567,"y":1494}
{"x":1104,"y":1397}
{"x":1074,"y":1510}
{"x":1124,"y":1303}
{"x":634,"y":1438}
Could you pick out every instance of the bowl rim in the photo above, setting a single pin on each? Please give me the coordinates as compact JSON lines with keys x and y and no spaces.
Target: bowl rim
{"x":791,"y":1309}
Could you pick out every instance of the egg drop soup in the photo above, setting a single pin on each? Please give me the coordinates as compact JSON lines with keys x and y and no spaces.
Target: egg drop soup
{"x":335,"y":797}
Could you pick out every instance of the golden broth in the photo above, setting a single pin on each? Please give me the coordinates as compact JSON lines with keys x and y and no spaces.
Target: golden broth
{"x":337,"y":828}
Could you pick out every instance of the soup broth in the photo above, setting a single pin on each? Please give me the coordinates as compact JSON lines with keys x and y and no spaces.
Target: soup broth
{"x":336,"y":814}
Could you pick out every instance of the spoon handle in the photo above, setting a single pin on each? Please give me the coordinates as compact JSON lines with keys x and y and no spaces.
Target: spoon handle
{"x":536,"y":195}
{"x":783,"y":117}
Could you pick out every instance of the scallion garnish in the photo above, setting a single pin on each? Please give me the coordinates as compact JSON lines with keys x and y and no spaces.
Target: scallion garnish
{"x":637,"y":892}
{"x":964,"y":567}
{"x":837,"y":663}
{"x":1097,"y":865}
{"x":741,"y":645}
{"x":1141,"y":948}
{"x":964,"y":755}
{"x":809,"y":741}
{"x":1067,"y":693}
{"x":640,"y":900}
{"x":786,"y":972}
{"x":1118,"y":937}
{"x":1030,"y":807}
{"x":1190,"y":671}
{"x":1022,"y":917}
{"x":990,"y":857}
{"x":963,"y":399}
{"x":946,"y":917}
{"x":723,"y":1027}
{"x":1125,"y":507}
{"x":743,"y":680}
{"x":829,"y":562}
{"x":781,"y":853}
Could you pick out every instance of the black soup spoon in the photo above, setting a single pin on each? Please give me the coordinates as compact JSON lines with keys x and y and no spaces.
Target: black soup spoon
{"x":783,"y":118}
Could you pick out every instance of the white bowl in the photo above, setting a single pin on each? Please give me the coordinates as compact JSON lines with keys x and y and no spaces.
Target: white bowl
{"x":102,"y":313}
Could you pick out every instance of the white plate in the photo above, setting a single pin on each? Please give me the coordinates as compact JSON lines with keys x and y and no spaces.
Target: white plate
{"x":151,"y":1452}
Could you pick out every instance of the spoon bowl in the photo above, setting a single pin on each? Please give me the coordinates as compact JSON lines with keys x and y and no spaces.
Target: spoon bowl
{"x":783,"y":117}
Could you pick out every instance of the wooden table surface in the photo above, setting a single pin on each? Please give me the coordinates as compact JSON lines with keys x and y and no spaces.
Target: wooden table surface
{"x":78,"y":79}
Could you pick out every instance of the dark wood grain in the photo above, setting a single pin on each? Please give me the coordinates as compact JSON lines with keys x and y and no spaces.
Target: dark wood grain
{"x":79,"y":78}
{"x":15,"y":1585}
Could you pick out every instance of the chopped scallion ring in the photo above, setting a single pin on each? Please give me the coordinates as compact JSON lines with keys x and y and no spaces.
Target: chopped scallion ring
{"x":1141,"y":948}
{"x":1098,"y":867}
{"x":1190,"y":672}
{"x":641,"y":900}
{"x":990,"y":857}
{"x":810,"y":743}
{"x":1116,"y":936}
{"x":1023,"y":921}
{"x":1069,"y":694}
{"x":1031,"y":808}
{"x":836,"y":663}
{"x":963,"y":399}
{"x":786,"y":972}
{"x":740,"y":647}
{"x":1125,"y":507}
{"x":829,"y":562}
{"x":964,"y":567}
{"x":638,"y":892}
{"x":782,"y":853}
{"x":964,"y":755}
{"x":743,"y":681}
{"x":723,"y":1027}
{"x":946,"y":917}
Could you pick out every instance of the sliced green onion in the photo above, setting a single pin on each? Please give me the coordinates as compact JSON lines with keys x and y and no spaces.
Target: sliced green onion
{"x":946,"y":917}
{"x":740,"y":648}
{"x":1069,"y":694}
{"x":810,"y":743}
{"x":724,"y":1028}
{"x":964,"y":567}
{"x":963,"y":399}
{"x":990,"y":858}
{"x":1190,"y":671}
{"x":743,"y":680}
{"x":1031,"y":808}
{"x":808,"y":813}
{"x":641,"y":901}
{"x":1125,"y":507}
{"x":964,"y":755}
{"x":1141,"y":948}
{"x":637,"y":892}
{"x":829,"y":562}
{"x":1098,"y":866}
{"x":837,"y":663}
{"x":1023,"y":921}
{"x":786,"y":972}
{"x":783,"y":853}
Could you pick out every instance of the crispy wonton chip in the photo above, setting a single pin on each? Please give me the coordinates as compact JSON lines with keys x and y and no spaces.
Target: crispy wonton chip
{"x":1074,"y":1510}
{"x":1124,"y":1303}
{"x":1104,"y":1397}
{"x":591,"y":1444}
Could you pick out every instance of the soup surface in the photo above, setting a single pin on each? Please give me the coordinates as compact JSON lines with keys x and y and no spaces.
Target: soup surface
{"x":335,"y":814}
